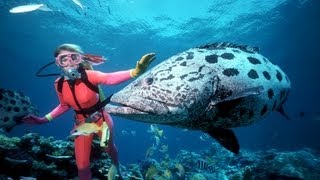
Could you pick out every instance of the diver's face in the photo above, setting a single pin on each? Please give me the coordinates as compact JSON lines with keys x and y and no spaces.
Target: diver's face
{"x":68,"y":60}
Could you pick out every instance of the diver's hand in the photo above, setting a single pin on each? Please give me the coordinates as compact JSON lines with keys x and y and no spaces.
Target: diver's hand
{"x":32,"y":119}
{"x":143,"y":64}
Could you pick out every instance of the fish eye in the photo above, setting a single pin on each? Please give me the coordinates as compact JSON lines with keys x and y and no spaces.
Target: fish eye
{"x":149,"y":81}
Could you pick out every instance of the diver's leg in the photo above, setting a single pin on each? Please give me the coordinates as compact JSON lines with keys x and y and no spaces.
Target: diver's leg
{"x":111,"y":148}
{"x":82,"y":146}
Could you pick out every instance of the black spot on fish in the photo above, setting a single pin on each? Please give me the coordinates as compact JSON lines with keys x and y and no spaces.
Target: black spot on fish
{"x":167,"y":78}
{"x":266,"y":75}
{"x":212,"y":58}
{"x":200,"y":51}
{"x":179,"y":58}
{"x":264,"y":110}
{"x":190,"y":55}
{"x":279,"y":76}
{"x":6,"y":118}
{"x":274,"y":105}
{"x":253,"y":74}
{"x":230,"y":72}
{"x":178,"y":88}
{"x":168,"y":92}
{"x":1,"y":95}
{"x":270,"y":93}
{"x":1,"y":105}
{"x":183,"y":64}
{"x":10,"y":93}
{"x":183,"y":76}
{"x":200,"y":69}
{"x":227,"y":56}
{"x":196,"y":78}
{"x":12,"y":101}
{"x":16,"y":109}
{"x":253,"y":60}
{"x":24,"y":108}
{"x":9,"y":108}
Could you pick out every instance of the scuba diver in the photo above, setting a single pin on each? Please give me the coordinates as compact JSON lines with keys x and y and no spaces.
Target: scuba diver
{"x":79,"y":89}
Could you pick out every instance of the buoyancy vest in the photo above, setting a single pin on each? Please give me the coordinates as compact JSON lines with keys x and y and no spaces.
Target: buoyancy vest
{"x":84,"y":78}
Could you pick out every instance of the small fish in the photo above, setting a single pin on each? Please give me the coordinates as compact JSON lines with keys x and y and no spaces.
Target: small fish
{"x":180,"y":171}
{"x":133,"y":133}
{"x":124,"y":132}
{"x":157,"y":139}
{"x":112,"y":172}
{"x":203,"y":165}
{"x":29,"y":8}
{"x":163,"y":148}
{"x":204,"y":137}
{"x":86,"y":129}
{"x":150,"y":151}
{"x":154,"y":129}
{"x":77,"y":2}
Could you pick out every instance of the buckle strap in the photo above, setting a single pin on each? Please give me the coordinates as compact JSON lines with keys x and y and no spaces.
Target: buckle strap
{"x":98,"y":106}
{"x":92,"y":118}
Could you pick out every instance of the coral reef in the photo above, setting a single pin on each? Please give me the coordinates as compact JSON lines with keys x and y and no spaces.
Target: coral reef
{"x":35,"y":156}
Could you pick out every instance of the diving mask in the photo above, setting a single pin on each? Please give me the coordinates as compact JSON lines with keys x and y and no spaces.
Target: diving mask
{"x":68,"y":59}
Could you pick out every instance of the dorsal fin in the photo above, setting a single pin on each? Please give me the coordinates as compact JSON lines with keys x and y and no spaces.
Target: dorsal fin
{"x":245,"y":48}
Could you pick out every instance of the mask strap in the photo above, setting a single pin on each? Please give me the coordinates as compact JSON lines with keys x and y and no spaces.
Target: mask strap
{"x":39,"y":74}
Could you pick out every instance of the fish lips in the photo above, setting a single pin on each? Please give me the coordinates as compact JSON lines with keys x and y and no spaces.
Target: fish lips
{"x":123,"y":105}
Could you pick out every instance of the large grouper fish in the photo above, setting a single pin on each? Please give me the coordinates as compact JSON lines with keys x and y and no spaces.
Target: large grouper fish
{"x":211,"y":88}
{"x":14,"y":105}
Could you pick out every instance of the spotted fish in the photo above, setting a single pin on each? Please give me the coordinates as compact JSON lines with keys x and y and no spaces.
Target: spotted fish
{"x":13,"y":107}
{"x":212,"y":88}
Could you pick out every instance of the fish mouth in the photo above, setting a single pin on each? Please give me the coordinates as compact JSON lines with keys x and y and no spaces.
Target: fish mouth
{"x":137,"y":106}
{"x":119,"y":108}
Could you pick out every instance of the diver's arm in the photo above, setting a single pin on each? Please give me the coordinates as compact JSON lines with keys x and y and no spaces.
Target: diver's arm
{"x":97,"y":77}
{"x":60,"y":109}
{"x":32,"y":119}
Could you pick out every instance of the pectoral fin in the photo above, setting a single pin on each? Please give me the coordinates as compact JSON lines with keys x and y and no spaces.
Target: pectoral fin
{"x":238,"y":95}
{"x":226,"y":138}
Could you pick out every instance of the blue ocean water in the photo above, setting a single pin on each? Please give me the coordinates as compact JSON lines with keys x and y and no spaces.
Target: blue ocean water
{"x":287,"y":32}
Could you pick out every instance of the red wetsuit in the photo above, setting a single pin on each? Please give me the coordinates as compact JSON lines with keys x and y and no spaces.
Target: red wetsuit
{"x":87,"y":98}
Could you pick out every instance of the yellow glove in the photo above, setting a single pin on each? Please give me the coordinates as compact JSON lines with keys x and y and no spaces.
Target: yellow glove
{"x":143,"y":64}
